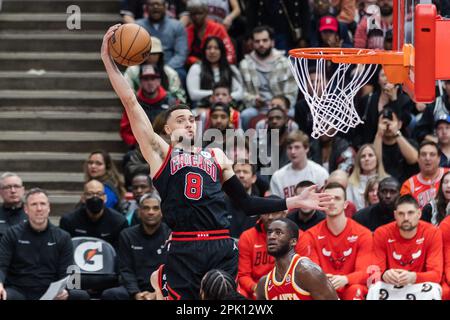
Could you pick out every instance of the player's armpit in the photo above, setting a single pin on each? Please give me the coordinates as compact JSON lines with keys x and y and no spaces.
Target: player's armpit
{"x":310,"y":278}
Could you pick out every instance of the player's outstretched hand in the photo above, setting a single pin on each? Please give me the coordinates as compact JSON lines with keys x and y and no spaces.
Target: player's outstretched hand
{"x":106,"y":37}
{"x":310,"y":199}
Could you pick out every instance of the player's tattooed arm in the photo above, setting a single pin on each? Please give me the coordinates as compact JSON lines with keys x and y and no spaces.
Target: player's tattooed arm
{"x":310,"y":277}
{"x":153,"y":147}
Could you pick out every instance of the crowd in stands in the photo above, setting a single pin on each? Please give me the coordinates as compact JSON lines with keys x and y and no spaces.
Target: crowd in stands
{"x":228,"y":61}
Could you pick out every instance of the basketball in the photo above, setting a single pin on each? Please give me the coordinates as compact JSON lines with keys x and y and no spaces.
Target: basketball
{"x":130,"y":45}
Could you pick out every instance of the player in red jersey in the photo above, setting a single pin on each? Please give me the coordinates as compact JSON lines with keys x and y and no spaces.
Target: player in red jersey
{"x":341,"y":247}
{"x":408,"y":250}
{"x":293,"y":277}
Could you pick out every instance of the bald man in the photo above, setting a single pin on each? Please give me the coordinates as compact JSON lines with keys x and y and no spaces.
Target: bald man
{"x":93,"y":218}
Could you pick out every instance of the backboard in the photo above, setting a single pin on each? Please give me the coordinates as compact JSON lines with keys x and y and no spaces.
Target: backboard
{"x":417,"y":26}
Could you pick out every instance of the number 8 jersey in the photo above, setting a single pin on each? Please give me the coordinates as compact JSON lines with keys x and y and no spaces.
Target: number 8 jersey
{"x":191,"y":191}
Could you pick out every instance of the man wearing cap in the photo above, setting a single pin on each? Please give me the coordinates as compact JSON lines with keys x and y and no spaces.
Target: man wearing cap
{"x":151,"y":96}
{"x":219,"y":118}
{"x":170,"y":80}
{"x":442,"y":125}
{"x":329,"y":32}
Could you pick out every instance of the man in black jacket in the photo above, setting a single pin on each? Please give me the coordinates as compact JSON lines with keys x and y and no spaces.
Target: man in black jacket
{"x":383,"y":212}
{"x":92,"y":218}
{"x":34,"y":254}
{"x":141,"y":251}
{"x":11,"y":211}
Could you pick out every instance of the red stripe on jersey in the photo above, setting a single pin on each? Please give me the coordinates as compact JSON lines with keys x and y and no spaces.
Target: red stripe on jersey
{"x":164,"y":164}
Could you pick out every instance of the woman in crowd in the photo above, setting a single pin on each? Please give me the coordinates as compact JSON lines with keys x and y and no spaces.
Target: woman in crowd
{"x":366,"y":166}
{"x":213,"y":68}
{"x":371,"y":192}
{"x":436,"y":210}
{"x":100,"y":166}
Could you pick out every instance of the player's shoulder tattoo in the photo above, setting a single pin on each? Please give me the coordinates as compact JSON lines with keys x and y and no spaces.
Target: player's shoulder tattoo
{"x":307,"y":265}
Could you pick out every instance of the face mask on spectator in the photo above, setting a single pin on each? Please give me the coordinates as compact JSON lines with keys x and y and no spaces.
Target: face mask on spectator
{"x":94,"y":205}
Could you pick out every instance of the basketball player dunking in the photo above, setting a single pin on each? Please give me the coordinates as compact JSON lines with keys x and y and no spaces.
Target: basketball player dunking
{"x":191,"y":183}
{"x":293,"y":277}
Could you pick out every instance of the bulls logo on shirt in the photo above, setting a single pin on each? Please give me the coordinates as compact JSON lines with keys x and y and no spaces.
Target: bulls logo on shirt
{"x":407,"y":259}
{"x":337,"y":259}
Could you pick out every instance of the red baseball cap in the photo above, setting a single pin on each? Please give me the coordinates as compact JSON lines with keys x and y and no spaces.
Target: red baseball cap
{"x":328,"y":23}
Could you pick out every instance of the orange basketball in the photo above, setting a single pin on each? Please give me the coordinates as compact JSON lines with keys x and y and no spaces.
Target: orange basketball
{"x":130,"y":45}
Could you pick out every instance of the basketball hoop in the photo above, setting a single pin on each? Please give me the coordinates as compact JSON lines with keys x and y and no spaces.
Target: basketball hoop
{"x":332,"y":101}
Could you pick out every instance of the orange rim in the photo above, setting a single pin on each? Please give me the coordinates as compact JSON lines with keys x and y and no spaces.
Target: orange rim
{"x":395,"y":63}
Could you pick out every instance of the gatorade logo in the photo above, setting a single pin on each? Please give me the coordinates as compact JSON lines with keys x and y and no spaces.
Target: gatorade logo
{"x":88,"y":256}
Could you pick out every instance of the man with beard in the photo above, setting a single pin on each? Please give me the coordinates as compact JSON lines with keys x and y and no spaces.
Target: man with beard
{"x":266,"y":73}
{"x":219,"y":119}
{"x":92,"y":218}
{"x":305,"y":219}
{"x":407,"y":252}
{"x":293,"y":277}
{"x":151,"y":95}
{"x":379,"y":22}
{"x":381,"y":213}
{"x":140,"y":185}
{"x":141,"y":251}
{"x":170,"y":31}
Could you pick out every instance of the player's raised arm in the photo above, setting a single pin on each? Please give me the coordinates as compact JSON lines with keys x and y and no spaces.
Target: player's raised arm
{"x":153,"y":147}
{"x":251,"y":205}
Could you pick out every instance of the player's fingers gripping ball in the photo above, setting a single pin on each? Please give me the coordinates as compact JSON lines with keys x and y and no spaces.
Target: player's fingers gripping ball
{"x":130,"y":45}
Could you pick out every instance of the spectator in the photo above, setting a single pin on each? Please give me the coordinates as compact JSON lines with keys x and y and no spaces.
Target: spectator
{"x":266,"y":73}
{"x":445,"y":229}
{"x":219,"y":285}
{"x":140,"y":185}
{"x":386,"y":95}
{"x":371,"y":192}
{"x":344,"y":10}
{"x":341,"y":247}
{"x":34,"y":254}
{"x":135,"y":164}
{"x":436,"y":210}
{"x":437,"y":110}
{"x":239,"y":221}
{"x":11,"y":192}
{"x":132,"y":10}
{"x":367,"y":166}
{"x":219,"y":118}
{"x":222,"y":93}
{"x":378,"y":20}
{"x":202,"y":28}
{"x":442,"y":125}
{"x":151,"y":96}
{"x":329,"y":34}
{"x":285,"y":179}
{"x":141,"y":251}
{"x":341,"y":177}
{"x":93,"y":218}
{"x":171,"y":33}
{"x":100,"y":166}
{"x":277,"y":131}
{"x":254,"y":261}
{"x":289,"y":20}
{"x":399,"y":154}
{"x":383,"y":212}
{"x":170,"y":80}
{"x":223,"y":12}
{"x":305,"y":219}
{"x":424,"y":185}
{"x":321,"y":9}
{"x":212,"y":69}
{"x":333,"y":153}
{"x":282,"y":102}
{"x":408,"y":251}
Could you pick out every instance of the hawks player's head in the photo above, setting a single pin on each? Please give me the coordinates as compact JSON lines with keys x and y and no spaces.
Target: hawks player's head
{"x":180,"y":124}
{"x":282,"y":236}
{"x":407,"y":213}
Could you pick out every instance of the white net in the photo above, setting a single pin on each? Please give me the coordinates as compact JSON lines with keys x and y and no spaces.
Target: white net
{"x":331,"y":101}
